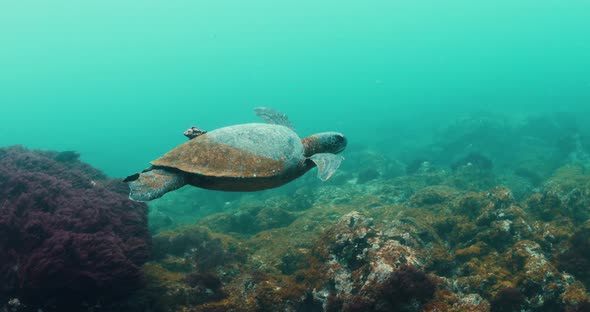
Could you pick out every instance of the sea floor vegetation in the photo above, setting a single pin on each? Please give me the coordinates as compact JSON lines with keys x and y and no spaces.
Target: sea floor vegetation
{"x":471,"y":227}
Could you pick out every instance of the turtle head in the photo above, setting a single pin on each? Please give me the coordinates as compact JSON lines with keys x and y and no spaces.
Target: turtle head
{"x":325,"y":142}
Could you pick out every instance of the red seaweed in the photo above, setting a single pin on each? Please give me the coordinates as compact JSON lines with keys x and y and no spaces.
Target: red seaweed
{"x":69,"y":236}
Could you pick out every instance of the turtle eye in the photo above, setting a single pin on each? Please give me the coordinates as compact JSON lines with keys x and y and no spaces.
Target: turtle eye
{"x":338,"y":143}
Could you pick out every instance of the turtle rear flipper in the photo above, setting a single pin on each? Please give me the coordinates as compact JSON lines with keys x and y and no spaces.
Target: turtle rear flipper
{"x":153,"y":184}
{"x":327,"y":164}
{"x":273,"y":117}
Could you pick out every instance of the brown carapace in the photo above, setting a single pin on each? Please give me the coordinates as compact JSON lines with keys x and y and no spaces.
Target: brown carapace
{"x":246,"y":157}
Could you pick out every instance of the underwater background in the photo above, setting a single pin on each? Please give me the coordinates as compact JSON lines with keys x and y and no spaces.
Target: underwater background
{"x":465,"y":185}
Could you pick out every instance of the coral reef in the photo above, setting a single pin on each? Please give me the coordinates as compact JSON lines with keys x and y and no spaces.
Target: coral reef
{"x":507,"y":300}
{"x":473,"y":159}
{"x":488,"y":215}
{"x":576,"y":258}
{"x":410,"y":243}
{"x":69,"y":237}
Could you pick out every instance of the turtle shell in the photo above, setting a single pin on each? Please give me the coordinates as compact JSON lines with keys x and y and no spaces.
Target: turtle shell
{"x":247,"y":150}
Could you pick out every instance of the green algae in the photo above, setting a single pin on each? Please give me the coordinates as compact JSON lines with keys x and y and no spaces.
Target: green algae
{"x":476,"y":243}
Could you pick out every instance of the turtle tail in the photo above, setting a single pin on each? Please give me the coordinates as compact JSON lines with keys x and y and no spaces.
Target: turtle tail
{"x":152,"y":184}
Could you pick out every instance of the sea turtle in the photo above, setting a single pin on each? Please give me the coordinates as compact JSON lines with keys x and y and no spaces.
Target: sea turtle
{"x":245,"y":157}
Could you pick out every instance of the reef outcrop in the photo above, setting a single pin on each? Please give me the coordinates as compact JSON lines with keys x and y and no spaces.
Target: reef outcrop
{"x":421,"y":242}
{"x":70,"y":238}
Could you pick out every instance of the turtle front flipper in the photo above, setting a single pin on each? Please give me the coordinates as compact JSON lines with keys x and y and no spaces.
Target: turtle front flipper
{"x":152,"y":184}
{"x":273,"y":117}
{"x":327,"y":164}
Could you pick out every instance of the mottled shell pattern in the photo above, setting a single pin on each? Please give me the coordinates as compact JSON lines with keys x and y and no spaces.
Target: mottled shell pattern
{"x":246,"y":150}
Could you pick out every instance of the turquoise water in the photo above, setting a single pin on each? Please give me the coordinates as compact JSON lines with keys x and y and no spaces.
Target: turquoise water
{"x":119,"y":81}
{"x":465,"y":184}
